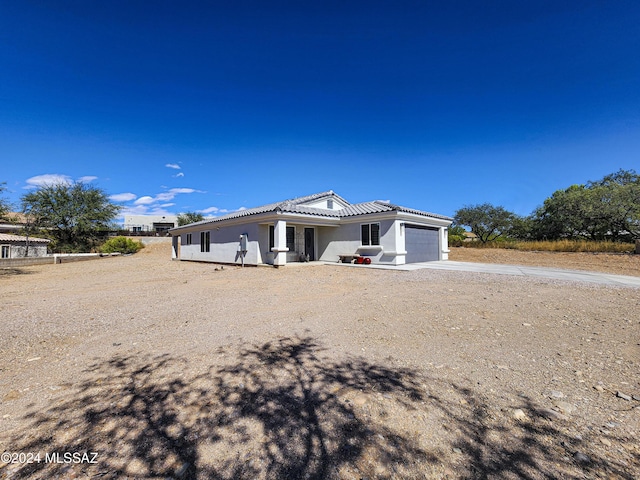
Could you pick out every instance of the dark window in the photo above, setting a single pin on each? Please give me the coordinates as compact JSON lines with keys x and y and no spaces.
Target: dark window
{"x":375,"y":234}
{"x":205,"y":241}
{"x":188,"y":239}
{"x":370,"y":233}
{"x":365,"y":234}
{"x":6,"y":250}
{"x":291,"y":238}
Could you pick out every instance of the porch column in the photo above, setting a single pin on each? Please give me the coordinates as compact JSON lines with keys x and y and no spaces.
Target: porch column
{"x":280,"y":243}
{"x":174,"y":247}
{"x":401,"y":244}
{"x":444,"y":243}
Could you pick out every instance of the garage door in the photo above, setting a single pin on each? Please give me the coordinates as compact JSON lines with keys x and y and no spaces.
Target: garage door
{"x":421,"y":243}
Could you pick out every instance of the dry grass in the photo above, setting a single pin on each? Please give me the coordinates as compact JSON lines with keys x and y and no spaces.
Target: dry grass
{"x":558,"y":246}
{"x":576,"y":246}
{"x":615,"y":263}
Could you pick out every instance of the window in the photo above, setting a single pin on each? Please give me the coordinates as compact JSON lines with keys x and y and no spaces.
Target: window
{"x":205,"y":241}
{"x":188,"y":239}
{"x":6,"y":251}
{"x":291,"y":238}
{"x":370,"y":233}
{"x":330,"y":204}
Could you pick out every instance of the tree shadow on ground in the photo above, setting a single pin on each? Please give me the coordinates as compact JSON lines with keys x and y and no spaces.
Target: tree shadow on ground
{"x":282,"y":410}
{"x":539,"y":444}
{"x":11,"y":271}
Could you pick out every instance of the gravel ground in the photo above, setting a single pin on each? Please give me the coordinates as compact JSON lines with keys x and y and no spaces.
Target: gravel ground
{"x":188,"y":370}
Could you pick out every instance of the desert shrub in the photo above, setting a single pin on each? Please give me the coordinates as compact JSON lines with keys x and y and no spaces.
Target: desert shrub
{"x":121,"y":244}
{"x":456,"y":235}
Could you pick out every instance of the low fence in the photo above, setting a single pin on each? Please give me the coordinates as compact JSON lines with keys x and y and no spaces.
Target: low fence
{"x":53,"y":259}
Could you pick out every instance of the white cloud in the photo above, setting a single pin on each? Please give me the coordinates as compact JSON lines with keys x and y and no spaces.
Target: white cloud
{"x":179,"y":175}
{"x":87,"y":179}
{"x":48,"y":179}
{"x":143,"y":210}
{"x":210,"y":210}
{"x":169,"y":195}
{"x":146,"y":200}
{"x":137,"y":210}
{"x":164,"y":197}
{"x":123,"y":197}
{"x":184,"y":190}
{"x":148,"y":205}
{"x":173,"y":165}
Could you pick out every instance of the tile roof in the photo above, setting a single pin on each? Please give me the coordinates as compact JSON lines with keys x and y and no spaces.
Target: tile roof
{"x":294,"y":205}
{"x":6,"y":237}
{"x":416,"y":212}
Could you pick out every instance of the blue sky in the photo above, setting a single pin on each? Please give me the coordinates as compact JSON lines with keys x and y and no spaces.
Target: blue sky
{"x":214,"y":106}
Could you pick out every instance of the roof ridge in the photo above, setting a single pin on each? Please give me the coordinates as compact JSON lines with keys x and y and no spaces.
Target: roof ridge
{"x":306,"y":198}
{"x":294,"y":205}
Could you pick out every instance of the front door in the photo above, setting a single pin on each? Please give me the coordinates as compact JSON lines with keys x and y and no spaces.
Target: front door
{"x":309,"y":243}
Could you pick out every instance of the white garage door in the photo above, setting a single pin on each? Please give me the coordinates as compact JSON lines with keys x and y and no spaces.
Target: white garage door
{"x":421,"y":243}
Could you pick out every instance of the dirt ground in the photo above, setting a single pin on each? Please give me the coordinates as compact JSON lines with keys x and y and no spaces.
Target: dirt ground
{"x":616,"y":263}
{"x":188,"y":370}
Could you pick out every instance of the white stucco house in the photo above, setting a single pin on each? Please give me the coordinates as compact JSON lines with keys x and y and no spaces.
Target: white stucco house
{"x":322,"y":227}
{"x":17,"y":246}
{"x":158,"y":224}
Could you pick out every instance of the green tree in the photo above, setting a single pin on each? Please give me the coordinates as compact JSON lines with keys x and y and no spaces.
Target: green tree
{"x":618,"y":195}
{"x":189,"y":217}
{"x":608,"y":208}
{"x":568,"y":213}
{"x":522,"y":228}
{"x":456,"y":234}
{"x":75,"y":216}
{"x":488,"y":222}
{"x":5,"y":206}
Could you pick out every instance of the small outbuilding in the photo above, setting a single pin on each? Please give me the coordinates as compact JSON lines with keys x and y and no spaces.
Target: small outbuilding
{"x":323,"y":226}
{"x":18,"y":246}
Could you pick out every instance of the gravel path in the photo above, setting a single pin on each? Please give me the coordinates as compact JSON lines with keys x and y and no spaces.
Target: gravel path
{"x":186,"y":370}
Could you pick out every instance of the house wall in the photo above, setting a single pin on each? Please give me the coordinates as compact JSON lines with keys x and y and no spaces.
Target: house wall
{"x":322,"y":203}
{"x":20,"y":250}
{"x":144,"y":223}
{"x":330,"y":242}
{"x":224,"y":245}
{"x":333,"y":242}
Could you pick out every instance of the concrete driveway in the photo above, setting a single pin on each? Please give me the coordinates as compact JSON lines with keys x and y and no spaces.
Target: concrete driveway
{"x":519,"y":270}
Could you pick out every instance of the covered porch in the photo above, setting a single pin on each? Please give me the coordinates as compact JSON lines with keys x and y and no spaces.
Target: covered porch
{"x":292,"y":241}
